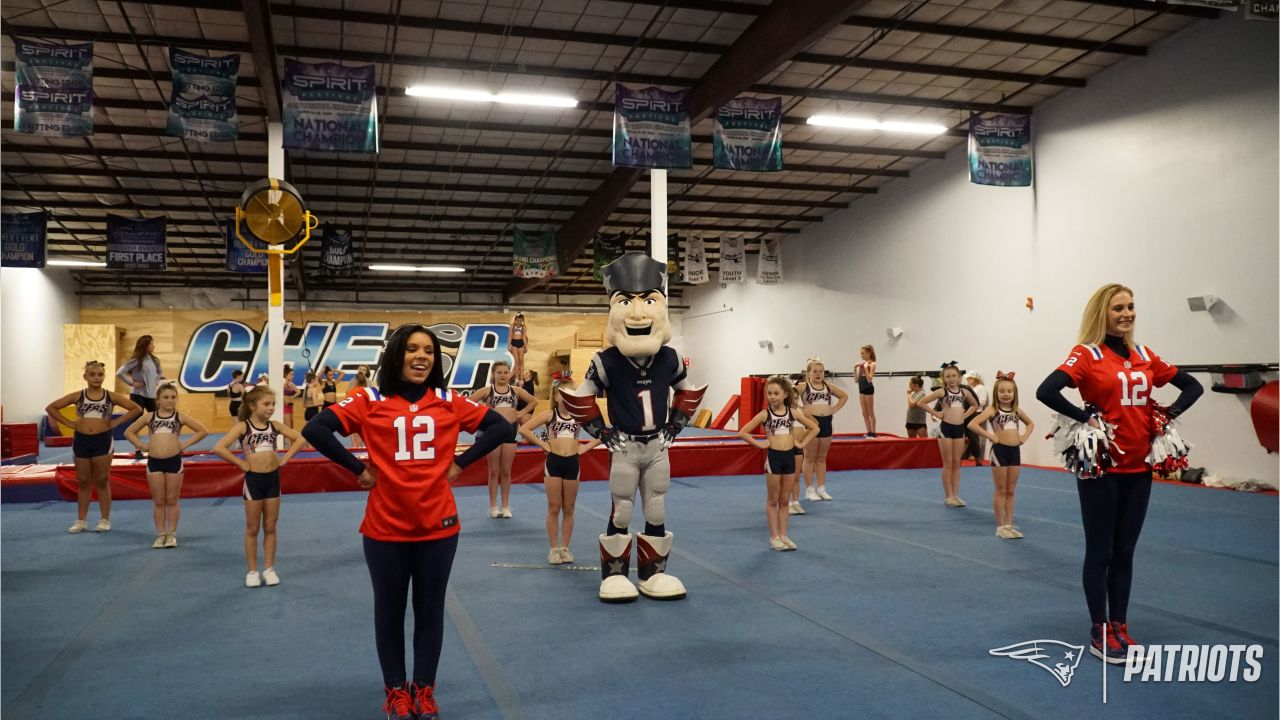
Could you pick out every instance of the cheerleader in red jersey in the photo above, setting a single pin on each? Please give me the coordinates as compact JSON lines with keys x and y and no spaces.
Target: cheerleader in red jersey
{"x":1116,"y":375}
{"x":410,"y":425}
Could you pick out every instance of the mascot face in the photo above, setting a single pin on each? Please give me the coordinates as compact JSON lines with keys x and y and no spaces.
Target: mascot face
{"x":638,"y":323}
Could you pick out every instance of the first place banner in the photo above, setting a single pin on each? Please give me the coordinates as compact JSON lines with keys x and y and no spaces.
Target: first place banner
{"x":330,"y":107}
{"x":135,"y":244}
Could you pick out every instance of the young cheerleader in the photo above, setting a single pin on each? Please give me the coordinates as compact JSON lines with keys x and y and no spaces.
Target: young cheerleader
{"x":519,"y":342}
{"x":821,"y":401}
{"x":1006,"y":449}
{"x":164,"y":459}
{"x":257,"y":434}
{"x":329,"y":386}
{"x":560,"y":474}
{"x":958,"y":404}
{"x":312,"y":397}
{"x":779,"y":420}
{"x":793,"y":500}
{"x":93,"y":443}
{"x":865,"y":373}
{"x":916,"y":427}
{"x":235,"y":391}
{"x":503,"y":397}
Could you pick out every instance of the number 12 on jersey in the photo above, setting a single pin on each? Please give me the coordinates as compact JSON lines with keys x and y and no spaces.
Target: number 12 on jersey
{"x":422,"y":448}
{"x":1137,"y":394}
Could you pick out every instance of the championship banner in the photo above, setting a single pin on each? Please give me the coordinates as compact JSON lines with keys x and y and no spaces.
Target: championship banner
{"x":534,"y":257}
{"x":1259,"y":10}
{"x":202,"y":105}
{"x":135,"y":244}
{"x":1000,"y":151}
{"x":651,"y":128}
{"x":695,"y":261}
{"x":239,"y":257}
{"x":607,"y":249}
{"x":337,"y":257}
{"x":732,"y":260}
{"x":330,"y":107}
{"x":747,"y":135}
{"x":22,"y":236}
{"x":769,"y":269}
{"x":53,"y":96}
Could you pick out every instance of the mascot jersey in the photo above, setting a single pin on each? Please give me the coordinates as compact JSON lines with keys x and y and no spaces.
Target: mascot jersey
{"x":638,"y":393}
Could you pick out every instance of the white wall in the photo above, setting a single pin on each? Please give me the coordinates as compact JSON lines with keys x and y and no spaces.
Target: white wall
{"x":1162,"y":174}
{"x":34,"y":305}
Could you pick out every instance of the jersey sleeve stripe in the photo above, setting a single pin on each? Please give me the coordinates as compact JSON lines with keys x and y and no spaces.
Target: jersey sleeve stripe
{"x":598,"y":364}
{"x":1095,"y":351}
{"x":1143,"y":353}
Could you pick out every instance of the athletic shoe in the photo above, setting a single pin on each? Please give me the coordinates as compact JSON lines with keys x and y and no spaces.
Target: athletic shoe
{"x":1121,"y":632}
{"x":811,"y":495}
{"x":871,"y":436}
{"x":554,"y":557}
{"x":253,"y":579}
{"x":398,"y":705}
{"x":1002,"y":532}
{"x":1114,"y":654}
{"x":160,"y":539}
{"x":424,"y":702}
{"x":950,"y":502}
{"x":822,"y":493}
{"x":1013,"y":533}
{"x":495,"y":512}
{"x":794,"y":508}
{"x":270,"y":577}
{"x":78,"y":526}
{"x":959,"y":502}
{"x":104,"y":525}
{"x":777,"y":544}
{"x":788,"y":542}
{"x":506,"y":511}
{"x":565,"y":555}
{"x":171,"y":541}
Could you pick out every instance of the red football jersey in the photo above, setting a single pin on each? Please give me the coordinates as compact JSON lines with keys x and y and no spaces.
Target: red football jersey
{"x":1122,"y":390}
{"x":411,"y":447}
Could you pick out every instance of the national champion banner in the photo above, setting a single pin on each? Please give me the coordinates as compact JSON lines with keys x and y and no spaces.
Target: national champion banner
{"x":202,"y":105}
{"x":337,"y":255}
{"x":695,"y":261}
{"x":769,"y":269}
{"x":733,"y":260}
{"x":53,"y":92}
{"x":1000,"y":151}
{"x":747,"y":135}
{"x":241,"y":258}
{"x":534,"y":257}
{"x":608,"y":247}
{"x":651,"y":128}
{"x":330,"y":107}
{"x":135,"y":244}
{"x":22,"y":236}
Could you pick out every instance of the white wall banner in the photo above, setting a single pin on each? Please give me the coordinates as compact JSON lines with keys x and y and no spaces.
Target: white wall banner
{"x":695,"y":261}
{"x":732,"y":260}
{"x":769,"y":270}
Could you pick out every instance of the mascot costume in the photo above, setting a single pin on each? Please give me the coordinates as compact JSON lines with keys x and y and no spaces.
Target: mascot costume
{"x":650,"y":401}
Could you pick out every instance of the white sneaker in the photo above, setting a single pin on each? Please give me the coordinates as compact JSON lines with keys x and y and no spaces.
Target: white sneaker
{"x":270,"y":577}
{"x":1013,"y":532}
{"x":159,"y":543}
{"x":811,"y":495}
{"x":495,"y":512}
{"x":506,"y":512}
{"x":553,"y":556}
{"x":171,"y":540}
{"x":78,"y":526}
{"x":822,"y":493}
{"x":959,"y":502}
{"x":565,"y":555}
{"x":791,"y":545}
{"x":777,"y":544}
{"x":253,"y":579}
{"x":794,"y":508}
{"x":104,"y":525}
{"x":950,"y":502}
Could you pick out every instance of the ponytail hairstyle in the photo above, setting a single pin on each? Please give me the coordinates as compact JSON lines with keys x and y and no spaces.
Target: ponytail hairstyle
{"x":140,"y":352}
{"x":808,"y":365}
{"x":167,"y":387}
{"x":788,"y":392}
{"x":871,"y":352}
{"x":255,"y":395}
{"x":916,"y":381}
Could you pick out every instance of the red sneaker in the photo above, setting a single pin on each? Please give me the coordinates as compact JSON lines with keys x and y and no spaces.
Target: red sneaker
{"x":424,"y":702}
{"x":1121,"y":631}
{"x":398,"y":705}
{"x":1114,"y":653}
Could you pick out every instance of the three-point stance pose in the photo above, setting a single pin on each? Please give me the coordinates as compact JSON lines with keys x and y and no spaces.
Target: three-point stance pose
{"x":638,"y":374}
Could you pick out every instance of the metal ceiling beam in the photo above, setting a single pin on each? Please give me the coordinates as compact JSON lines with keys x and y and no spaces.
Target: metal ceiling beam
{"x":742,"y":8}
{"x":341,"y":15}
{"x":783,"y":29}
{"x":981,"y":33}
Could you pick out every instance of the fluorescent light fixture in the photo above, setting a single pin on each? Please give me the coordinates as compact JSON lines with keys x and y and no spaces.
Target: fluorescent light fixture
{"x":77,"y":263}
{"x":897,"y":126}
{"x":418,"y":268}
{"x":447,"y":93}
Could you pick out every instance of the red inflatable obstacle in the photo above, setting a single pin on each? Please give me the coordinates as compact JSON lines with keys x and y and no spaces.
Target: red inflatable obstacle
{"x":726,"y":413}
{"x":1265,"y":409}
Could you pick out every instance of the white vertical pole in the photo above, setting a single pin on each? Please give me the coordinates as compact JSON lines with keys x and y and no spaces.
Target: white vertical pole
{"x":658,"y":215}
{"x":275,"y":280}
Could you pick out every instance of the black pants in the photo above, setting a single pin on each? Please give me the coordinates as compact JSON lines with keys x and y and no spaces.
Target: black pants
{"x":392,"y":565}
{"x":146,"y":403}
{"x":1113,"y":508}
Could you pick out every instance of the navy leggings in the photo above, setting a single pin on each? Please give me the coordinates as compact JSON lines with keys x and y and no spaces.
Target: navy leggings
{"x":1113,"y":508}
{"x":392,"y":565}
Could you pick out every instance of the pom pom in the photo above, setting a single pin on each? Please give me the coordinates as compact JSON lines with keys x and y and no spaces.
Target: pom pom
{"x":1168,"y":450}
{"x":1086,"y":450}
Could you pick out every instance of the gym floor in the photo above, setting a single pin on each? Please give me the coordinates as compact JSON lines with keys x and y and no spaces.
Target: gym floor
{"x":887,"y":610}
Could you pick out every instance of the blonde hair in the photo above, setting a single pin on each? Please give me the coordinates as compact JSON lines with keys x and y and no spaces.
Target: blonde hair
{"x":167,"y":387}
{"x":788,"y":392}
{"x":808,"y":365}
{"x":995,"y":393}
{"x":251,"y":398}
{"x":871,"y":352}
{"x":1093,"y":324}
